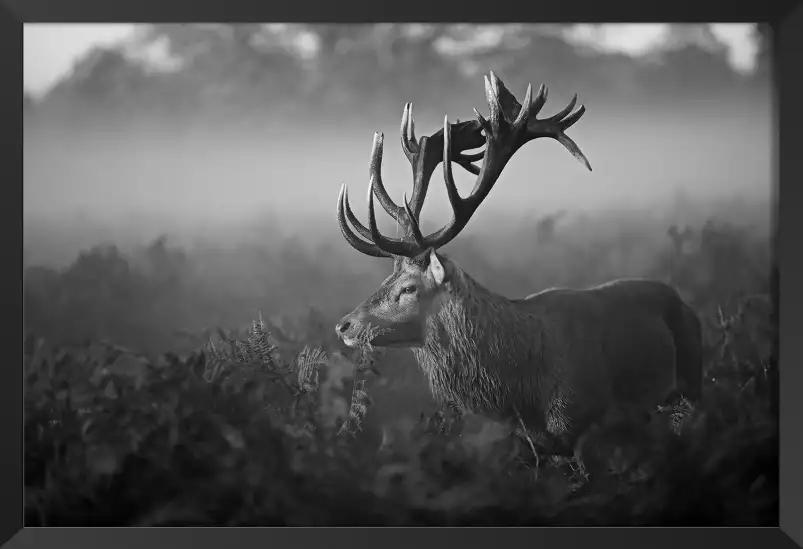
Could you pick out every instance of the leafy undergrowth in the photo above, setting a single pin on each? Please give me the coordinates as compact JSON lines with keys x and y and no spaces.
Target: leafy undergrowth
{"x":240,"y":434}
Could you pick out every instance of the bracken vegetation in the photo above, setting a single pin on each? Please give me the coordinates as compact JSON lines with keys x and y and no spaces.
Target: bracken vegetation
{"x":277,"y":424}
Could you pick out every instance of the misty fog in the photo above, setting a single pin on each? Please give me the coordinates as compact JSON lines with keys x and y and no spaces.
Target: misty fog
{"x":119,"y":185}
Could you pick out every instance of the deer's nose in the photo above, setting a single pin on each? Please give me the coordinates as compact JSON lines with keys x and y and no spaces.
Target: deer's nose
{"x":343,"y":327}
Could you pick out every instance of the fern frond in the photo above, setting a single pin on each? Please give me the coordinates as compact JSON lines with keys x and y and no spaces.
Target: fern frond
{"x":215,"y":363}
{"x":260,"y":342}
{"x":244,"y":353}
{"x":308,"y":362}
{"x":360,"y":402}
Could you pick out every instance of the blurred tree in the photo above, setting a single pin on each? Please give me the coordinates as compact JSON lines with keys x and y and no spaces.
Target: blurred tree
{"x":535,"y":54}
{"x":244,"y":72}
{"x":235,"y":66}
{"x":709,"y":71}
{"x":691,"y":62}
{"x":28,"y":101}
{"x":29,"y":107}
{"x":103,"y":77}
{"x":762,"y":32}
{"x":340,"y":62}
{"x":401,"y":61}
{"x":420,"y":66}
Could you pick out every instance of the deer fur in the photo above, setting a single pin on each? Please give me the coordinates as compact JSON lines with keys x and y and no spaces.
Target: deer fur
{"x":560,"y":359}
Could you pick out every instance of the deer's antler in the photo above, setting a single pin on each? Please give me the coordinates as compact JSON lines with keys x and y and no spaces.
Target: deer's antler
{"x":424,"y":156}
{"x":510,"y":126}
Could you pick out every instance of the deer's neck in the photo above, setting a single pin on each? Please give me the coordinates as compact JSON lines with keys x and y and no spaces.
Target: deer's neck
{"x":475,"y":336}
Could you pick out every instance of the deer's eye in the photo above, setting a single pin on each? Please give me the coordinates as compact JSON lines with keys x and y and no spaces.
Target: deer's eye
{"x":408,"y":290}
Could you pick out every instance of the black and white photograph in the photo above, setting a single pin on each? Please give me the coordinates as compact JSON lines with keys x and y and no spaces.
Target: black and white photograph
{"x":400,"y":274}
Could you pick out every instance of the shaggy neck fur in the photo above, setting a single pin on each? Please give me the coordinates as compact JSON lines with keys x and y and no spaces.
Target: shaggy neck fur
{"x":481,"y":352}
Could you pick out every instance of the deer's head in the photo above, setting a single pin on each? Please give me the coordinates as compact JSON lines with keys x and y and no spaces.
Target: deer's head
{"x":396,"y":314}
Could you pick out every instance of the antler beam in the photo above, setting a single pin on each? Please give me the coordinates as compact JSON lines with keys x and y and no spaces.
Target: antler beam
{"x":509,"y":127}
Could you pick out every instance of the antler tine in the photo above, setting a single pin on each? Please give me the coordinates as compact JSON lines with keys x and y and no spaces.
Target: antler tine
{"x":524,"y":112}
{"x":570,"y":120}
{"x":409,"y":144}
{"x":510,"y":126}
{"x":556,"y":125}
{"x":368,"y":248}
{"x":412,"y":124}
{"x":375,"y":174}
{"x":362,"y":229}
{"x":564,"y":111}
{"x":451,"y":189}
{"x":391,"y":246}
{"x":405,"y":141}
{"x":414,"y":228}
{"x":492,"y":96}
{"x":416,"y":154}
{"x":540,"y":100}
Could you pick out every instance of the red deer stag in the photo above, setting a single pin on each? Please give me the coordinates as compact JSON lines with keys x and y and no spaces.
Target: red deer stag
{"x":559,"y":360}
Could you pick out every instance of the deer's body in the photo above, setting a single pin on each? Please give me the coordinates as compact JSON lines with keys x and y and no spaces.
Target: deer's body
{"x":560,"y":360}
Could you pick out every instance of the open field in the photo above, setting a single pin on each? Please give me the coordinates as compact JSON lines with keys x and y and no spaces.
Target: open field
{"x":133,"y":418}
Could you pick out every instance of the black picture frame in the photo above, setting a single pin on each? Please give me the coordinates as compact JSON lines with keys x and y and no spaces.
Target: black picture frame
{"x":785,"y":18}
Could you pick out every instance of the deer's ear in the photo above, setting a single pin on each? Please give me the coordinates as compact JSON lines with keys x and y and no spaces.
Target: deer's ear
{"x":437,"y":268}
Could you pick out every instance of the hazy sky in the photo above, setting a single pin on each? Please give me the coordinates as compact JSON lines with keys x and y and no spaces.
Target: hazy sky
{"x":49,"y":50}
